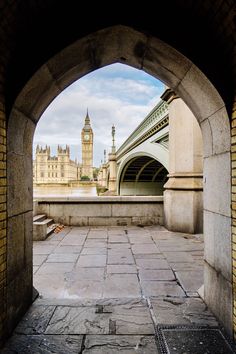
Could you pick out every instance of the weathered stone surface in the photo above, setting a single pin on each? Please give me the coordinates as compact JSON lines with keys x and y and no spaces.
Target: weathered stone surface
{"x":155,"y":274}
{"x":67,"y":249}
{"x":113,"y":286}
{"x":182,"y":311}
{"x":83,"y":289}
{"x":86,"y":274}
{"x":217,"y":190}
{"x":94,"y":250}
{"x":50,"y":286}
{"x":118,"y":239}
{"x":36,"y":320}
{"x":152,"y":263}
{"x":190,"y":280}
{"x":125,"y":344}
{"x":55,"y":268}
{"x":121,"y":269}
{"x":145,"y":249}
{"x":62,"y":258}
{"x":120,"y":257}
{"x":126,"y":319}
{"x":160,"y":288}
{"x":41,"y":344}
{"x":179,"y":257}
{"x":91,"y":261}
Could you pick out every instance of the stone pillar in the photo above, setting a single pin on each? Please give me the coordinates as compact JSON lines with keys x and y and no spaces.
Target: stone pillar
{"x":183,"y":195}
{"x":104,"y":175}
{"x":113,"y":172}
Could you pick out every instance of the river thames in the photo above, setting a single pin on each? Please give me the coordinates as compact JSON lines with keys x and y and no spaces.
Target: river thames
{"x":64,"y":191}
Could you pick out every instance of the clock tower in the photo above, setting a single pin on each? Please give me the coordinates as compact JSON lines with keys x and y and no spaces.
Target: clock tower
{"x":87,"y":148}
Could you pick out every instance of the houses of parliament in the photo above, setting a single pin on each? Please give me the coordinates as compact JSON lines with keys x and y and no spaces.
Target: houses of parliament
{"x":61,"y":169}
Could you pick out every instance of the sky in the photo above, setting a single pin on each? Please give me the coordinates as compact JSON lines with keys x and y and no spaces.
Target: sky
{"x":116,"y":94}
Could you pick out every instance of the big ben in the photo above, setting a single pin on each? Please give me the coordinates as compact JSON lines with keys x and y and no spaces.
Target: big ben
{"x":87,"y":148}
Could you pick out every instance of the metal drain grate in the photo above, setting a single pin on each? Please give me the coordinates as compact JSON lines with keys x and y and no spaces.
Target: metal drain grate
{"x":192,"y":340}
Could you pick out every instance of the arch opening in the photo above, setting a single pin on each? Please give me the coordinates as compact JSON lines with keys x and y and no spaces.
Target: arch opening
{"x":175,"y":70}
{"x":143,"y":176}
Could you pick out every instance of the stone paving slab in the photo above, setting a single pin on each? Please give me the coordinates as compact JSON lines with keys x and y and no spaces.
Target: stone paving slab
{"x":43,"y":344}
{"x":152,"y":263}
{"x":95,"y":250}
{"x":38,"y":259}
{"x":55,"y":268}
{"x":35,"y":320}
{"x":67,"y":249}
{"x":96,"y":274}
{"x":120,"y":257}
{"x":128,"y":319}
{"x":179,"y":257}
{"x":113,"y":286}
{"x":154,"y":274}
{"x":121,"y":269}
{"x":190,"y":280}
{"x":91,"y":261}
{"x":182,"y":311}
{"x":105,"y":344}
{"x":62,"y":258}
{"x":161,"y":288}
{"x":50,"y":285}
{"x":83,"y":289}
{"x":145,"y":249}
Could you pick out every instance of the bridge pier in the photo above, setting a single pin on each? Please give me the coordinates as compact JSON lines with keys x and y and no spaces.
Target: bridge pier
{"x":183,"y":202}
{"x":113,"y":171}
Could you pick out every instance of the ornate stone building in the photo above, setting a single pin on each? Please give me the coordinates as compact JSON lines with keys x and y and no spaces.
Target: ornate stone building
{"x":61,"y":169}
{"x":49,"y":169}
{"x":87,"y":149}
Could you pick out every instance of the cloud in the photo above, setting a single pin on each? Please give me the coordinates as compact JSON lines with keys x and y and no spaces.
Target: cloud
{"x":116,"y":94}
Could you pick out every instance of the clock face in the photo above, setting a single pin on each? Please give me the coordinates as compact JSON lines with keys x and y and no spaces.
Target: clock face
{"x":86,"y":137}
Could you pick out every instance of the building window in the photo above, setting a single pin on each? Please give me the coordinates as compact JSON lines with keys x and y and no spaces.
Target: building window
{"x":48,"y":174}
{"x":62,"y":174}
{"x":42,"y":174}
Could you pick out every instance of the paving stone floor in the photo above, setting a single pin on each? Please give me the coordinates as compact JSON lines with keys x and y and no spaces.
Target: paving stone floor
{"x":106,"y":289}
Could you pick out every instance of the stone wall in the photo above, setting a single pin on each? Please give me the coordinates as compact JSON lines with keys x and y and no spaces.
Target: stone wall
{"x":97,"y":211}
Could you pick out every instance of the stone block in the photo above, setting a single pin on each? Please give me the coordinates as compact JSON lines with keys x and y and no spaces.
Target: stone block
{"x":21,"y":285}
{"x":218,"y":297}
{"x":109,"y":221}
{"x":20,"y":184}
{"x":220,"y":129}
{"x":166,"y":62}
{"x":144,"y":210}
{"x":217,"y":240}
{"x":207,"y":138}
{"x":199,"y":94}
{"x":28,"y":237}
{"x":217,"y":184}
{"x":15,"y":246}
{"x":37,"y":94}
{"x":183,"y":210}
{"x":17,"y":128}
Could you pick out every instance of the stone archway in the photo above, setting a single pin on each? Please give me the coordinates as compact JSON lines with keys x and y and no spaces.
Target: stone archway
{"x":121,"y":44}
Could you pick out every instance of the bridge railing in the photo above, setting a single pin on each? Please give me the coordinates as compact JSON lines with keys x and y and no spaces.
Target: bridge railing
{"x":154,"y":121}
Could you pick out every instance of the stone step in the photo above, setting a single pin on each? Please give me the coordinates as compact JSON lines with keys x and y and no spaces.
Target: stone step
{"x":37,"y":218}
{"x":51,"y":228}
{"x":47,"y":222}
